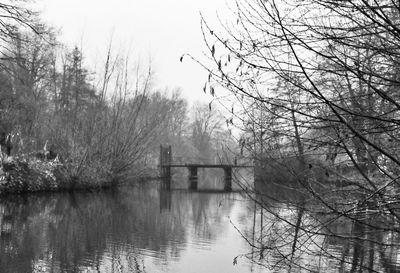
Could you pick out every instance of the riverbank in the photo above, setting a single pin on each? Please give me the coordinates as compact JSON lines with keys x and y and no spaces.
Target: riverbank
{"x":28,"y":173}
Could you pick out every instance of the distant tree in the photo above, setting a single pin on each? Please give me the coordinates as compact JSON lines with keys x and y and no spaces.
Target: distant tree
{"x":206,"y":125}
{"x":76,"y":94}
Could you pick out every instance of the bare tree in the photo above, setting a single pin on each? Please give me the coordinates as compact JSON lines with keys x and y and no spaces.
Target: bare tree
{"x":16,"y":16}
{"x":205,"y":126}
{"x":337,"y":66}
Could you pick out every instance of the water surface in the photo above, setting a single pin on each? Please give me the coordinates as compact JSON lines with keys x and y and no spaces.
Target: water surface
{"x":145,"y":229}
{"x":133,"y":229}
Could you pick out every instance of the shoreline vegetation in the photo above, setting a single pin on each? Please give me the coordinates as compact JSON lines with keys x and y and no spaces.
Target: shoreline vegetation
{"x":27,"y":173}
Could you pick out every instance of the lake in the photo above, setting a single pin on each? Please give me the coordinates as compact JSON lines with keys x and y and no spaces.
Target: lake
{"x":142,"y":228}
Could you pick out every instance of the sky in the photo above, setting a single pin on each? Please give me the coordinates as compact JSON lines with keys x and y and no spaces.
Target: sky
{"x":155,"y":31}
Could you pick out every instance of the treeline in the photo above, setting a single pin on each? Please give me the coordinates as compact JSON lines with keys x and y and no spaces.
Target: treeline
{"x":103,"y":127}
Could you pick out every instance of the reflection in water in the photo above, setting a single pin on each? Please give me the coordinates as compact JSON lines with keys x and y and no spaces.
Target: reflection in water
{"x":144,"y":229}
{"x":136,"y":229}
{"x":295,"y":236}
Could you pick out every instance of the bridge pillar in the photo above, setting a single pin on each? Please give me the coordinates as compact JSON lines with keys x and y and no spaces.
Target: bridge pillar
{"x":165,"y":166}
{"x":228,"y":179}
{"x":193,"y":179}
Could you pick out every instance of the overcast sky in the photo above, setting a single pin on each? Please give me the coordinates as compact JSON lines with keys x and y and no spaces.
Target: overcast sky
{"x":160,"y":30}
